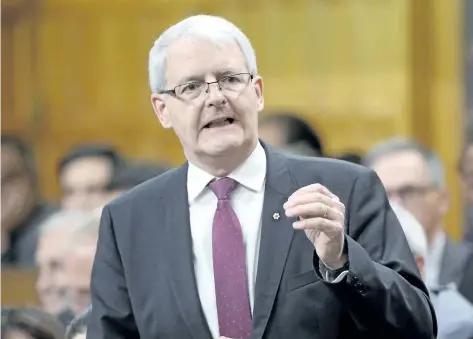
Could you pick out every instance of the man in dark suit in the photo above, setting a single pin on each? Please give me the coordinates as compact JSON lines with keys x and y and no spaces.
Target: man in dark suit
{"x":243,"y":241}
{"x":414,"y":177}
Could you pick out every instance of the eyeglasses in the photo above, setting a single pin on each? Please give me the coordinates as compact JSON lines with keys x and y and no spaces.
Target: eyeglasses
{"x":234,"y":83}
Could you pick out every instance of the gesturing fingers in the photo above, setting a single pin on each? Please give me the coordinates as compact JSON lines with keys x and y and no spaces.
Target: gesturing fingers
{"x":329,"y":227}
{"x":315,"y":210}
{"x":313,"y":189}
{"x":314,"y":197}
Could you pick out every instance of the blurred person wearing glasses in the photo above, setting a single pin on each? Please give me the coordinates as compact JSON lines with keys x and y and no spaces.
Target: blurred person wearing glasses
{"x":245,"y":241}
{"x":414,"y":177}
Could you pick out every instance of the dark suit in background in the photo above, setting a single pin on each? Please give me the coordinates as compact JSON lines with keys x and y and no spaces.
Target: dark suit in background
{"x":466,"y":285}
{"x":454,"y":259}
{"x":143,"y":282}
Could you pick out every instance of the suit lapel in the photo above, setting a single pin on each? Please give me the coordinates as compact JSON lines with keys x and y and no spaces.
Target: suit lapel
{"x":276,"y":236}
{"x":180,"y":253}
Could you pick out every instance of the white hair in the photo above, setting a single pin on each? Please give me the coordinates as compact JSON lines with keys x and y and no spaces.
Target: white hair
{"x":65,"y":219}
{"x":87,"y":230}
{"x":213,"y":28}
{"x":413,"y":230}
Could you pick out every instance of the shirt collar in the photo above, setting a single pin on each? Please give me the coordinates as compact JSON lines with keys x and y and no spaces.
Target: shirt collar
{"x":251,"y":174}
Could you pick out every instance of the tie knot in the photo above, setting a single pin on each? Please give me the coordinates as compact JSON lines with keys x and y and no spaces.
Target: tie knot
{"x":223,"y":187}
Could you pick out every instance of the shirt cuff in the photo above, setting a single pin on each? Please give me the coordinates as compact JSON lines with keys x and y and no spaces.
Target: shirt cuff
{"x":330,"y":276}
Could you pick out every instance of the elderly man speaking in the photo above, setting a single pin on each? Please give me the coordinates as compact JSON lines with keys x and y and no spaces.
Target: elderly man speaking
{"x":242,"y":241}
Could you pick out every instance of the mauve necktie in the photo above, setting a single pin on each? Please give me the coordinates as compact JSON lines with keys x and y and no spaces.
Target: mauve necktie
{"x":231,"y":282}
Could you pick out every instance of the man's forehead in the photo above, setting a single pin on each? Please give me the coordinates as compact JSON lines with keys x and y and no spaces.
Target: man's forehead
{"x":403,"y":159}
{"x":85,"y":162}
{"x":190,"y":58}
{"x":401,"y":168}
{"x":84,"y":249}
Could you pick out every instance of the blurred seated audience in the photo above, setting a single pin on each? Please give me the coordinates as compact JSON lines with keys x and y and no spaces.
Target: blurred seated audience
{"x":55,"y":238}
{"x":465,"y":168}
{"x":454,"y":312}
{"x":23,"y":209}
{"x":30,"y":323}
{"x":131,"y":175}
{"x":414,"y":178}
{"x":288,"y":132}
{"x":77,"y":329}
{"x":84,"y":174}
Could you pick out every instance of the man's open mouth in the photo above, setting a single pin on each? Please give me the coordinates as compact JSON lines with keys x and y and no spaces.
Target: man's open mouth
{"x":220,"y":123}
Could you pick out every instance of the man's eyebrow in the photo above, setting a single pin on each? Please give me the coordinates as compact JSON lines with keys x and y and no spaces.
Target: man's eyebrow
{"x":226,"y":72}
{"x":201,"y":77}
{"x":190,"y":78}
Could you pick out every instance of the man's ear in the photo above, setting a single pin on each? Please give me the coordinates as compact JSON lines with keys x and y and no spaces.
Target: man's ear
{"x":160,"y":109}
{"x":258,"y":85}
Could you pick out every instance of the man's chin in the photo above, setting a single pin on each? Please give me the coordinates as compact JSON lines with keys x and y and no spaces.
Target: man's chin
{"x":222,"y":149}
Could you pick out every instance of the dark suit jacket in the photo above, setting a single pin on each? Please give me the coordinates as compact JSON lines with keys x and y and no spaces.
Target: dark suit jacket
{"x":453,"y":263}
{"x":465,"y":286}
{"x":143,"y":283}
{"x":468,"y":235}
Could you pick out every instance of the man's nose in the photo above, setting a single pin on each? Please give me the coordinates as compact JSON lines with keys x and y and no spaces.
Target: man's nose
{"x":215,"y":95}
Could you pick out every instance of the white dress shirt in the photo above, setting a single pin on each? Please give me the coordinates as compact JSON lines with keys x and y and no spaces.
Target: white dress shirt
{"x":433,"y":261}
{"x":247,"y":201}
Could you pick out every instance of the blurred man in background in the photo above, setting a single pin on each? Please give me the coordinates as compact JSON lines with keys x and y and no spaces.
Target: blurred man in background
{"x":52,"y":262}
{"x":22,"y":207}
{"x":454,"y":312}
{"x":290,"y":133}
{"x":414,"y":177}
{"x":84,"y":174}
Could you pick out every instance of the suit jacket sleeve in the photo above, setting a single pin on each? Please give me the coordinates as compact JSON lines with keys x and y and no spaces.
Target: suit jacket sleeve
{"x":383,"y":291}
{"x":112,"y":314}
